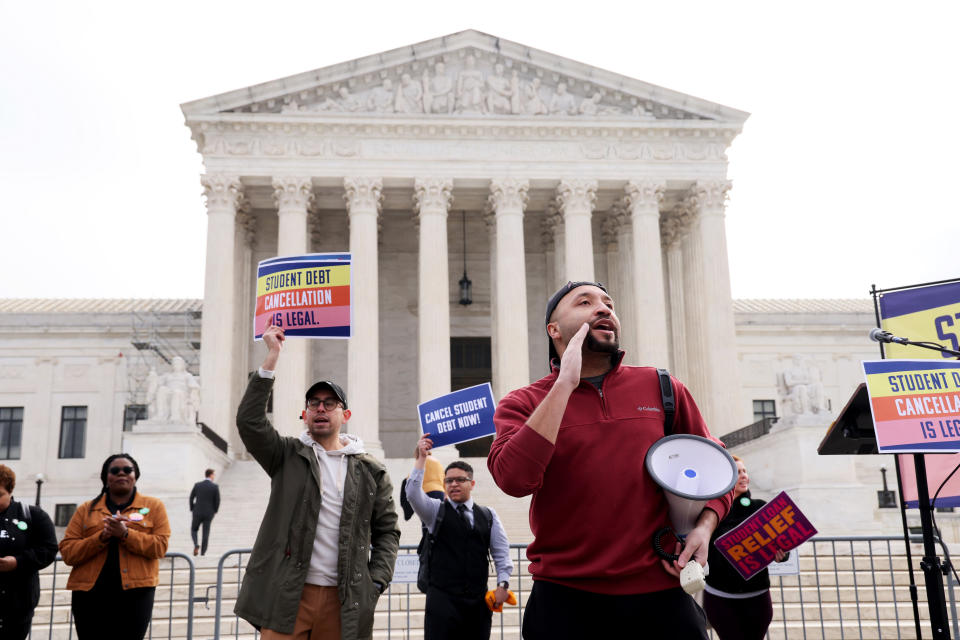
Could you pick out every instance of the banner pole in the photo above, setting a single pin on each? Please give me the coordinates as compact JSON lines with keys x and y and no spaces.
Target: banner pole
{"x":932,"y":569}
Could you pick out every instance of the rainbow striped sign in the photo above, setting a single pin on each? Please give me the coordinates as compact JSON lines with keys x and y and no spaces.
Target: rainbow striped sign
{"x":915,"y":405}
{"x":308,"y":295}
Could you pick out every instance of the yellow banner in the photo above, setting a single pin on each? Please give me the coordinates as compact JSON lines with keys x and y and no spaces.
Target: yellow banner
{"x":312,"y":278}
{"x":939,"y":324}
{"x":911,"y":383}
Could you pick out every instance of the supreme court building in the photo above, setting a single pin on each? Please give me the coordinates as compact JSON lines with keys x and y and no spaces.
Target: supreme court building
{"x":463,"y":158}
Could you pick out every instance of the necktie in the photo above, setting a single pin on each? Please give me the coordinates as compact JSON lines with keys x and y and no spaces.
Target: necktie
{"x":462,"y":510}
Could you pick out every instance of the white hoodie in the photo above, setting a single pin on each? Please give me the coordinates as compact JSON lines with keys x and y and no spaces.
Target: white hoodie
{"x":333,"y":474}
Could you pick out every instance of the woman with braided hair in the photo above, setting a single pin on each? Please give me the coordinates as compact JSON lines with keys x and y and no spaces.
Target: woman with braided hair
{"x":114,"y":544}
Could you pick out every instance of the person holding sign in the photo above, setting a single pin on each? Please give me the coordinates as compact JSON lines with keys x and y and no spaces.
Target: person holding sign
{"x":311,"y":573}
{"x":576,"y":441}
{"x":738,"y":609}
{"x":460,"y":533}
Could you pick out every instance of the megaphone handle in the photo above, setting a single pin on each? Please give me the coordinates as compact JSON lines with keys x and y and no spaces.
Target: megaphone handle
{"x":658,"y":548}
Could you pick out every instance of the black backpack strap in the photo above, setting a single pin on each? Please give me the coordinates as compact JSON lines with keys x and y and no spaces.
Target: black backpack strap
{"x":668,"y":399}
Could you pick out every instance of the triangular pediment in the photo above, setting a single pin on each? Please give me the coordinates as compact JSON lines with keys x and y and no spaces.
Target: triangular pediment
{"x":466,"y":74}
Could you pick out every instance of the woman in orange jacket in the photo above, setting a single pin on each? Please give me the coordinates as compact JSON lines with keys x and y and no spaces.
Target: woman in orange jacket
{"x":114,"y":544}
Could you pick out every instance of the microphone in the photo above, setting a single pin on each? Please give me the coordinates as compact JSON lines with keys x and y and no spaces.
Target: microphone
{"x":879,"y":335}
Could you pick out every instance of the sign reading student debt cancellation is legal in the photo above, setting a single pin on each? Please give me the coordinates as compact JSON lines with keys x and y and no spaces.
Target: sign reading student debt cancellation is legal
{"x":915,"y":405}
{"x":463,"y":415}
{"x":753,"y":545}
{"x":307,"y":296}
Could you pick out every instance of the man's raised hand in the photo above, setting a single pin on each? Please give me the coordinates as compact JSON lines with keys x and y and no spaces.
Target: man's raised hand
{"x":572,"y":359}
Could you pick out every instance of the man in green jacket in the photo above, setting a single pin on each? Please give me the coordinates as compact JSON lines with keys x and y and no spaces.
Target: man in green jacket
{"x":329,"y":537}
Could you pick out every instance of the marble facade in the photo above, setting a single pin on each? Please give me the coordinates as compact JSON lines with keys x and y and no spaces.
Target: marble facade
{"x":577,"y":173}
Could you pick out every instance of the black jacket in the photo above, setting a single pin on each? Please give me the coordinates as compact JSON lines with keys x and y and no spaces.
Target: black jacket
{"x":205,"y":498}
{"x":34,"y":545}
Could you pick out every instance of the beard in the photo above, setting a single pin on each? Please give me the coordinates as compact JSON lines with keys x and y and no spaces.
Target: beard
{"x":592,"y":344}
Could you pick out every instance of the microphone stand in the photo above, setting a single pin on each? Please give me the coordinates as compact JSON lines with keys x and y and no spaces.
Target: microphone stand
{"x":933,"y":569}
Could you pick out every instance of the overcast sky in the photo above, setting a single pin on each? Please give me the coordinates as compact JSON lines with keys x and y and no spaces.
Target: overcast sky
{"x":845,"y":174}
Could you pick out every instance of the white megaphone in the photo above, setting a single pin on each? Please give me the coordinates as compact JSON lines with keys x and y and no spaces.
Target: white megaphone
{"x":691,"y":470}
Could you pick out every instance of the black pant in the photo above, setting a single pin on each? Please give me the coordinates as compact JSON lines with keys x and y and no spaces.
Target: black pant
{"x":112,"y":613}
{"x":447,"y":616}
{"x":556,"y":612}
{"x":197,"y":521}
{"x":14,"y":627}
{"x":739,"y":618}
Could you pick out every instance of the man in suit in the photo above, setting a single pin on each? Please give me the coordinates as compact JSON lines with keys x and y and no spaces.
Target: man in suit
{"x":204,"y":503}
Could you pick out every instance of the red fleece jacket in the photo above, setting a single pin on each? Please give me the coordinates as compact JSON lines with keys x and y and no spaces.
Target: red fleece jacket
{"x":595,"y":509}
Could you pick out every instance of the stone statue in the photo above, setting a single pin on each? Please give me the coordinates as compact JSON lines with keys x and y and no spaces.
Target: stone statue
{"x":590,"y":106}
{"x":292,"y":107}
{"x":438,"y":91}
{"x":642,"y":112}
{"x":409,"y":96}
{"x":562,"y":102}
{"x":499,"y":91}
{"x":533,"y":101}
{"x":173,"y":397}
{"x":801,"y":388}
{"x":381,"y":98}
{"x":470,"y":88}
{"x":346,"y":102}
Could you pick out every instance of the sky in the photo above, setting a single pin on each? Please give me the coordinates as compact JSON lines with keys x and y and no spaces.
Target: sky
{"x":845,"y":174}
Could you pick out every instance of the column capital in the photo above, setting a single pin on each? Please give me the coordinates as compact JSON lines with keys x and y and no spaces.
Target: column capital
{"x":508,"y":194}
{"x":644,"y":195}
{"x":577,"y":195}
{"x":433,"y":195}
{"x":675,"y":223}
{"x":293,"y":192}
{"x":614,"y":221}
{"x":709,"y":196}
{"x":363,"y":194}
{"x":223,"y":192}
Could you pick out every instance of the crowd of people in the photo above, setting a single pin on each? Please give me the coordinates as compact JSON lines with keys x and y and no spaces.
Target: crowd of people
{"x":328,"y":540}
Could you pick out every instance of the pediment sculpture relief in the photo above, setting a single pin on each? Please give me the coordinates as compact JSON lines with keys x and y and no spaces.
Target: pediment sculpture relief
{"x":468,"y":86}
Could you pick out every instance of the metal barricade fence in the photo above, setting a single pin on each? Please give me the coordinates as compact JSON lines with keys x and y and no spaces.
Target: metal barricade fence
{"x":59,"y":616}
{"x":847,"y":587}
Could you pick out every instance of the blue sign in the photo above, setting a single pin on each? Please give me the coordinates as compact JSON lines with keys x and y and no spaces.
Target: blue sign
{"x":463,"y":415}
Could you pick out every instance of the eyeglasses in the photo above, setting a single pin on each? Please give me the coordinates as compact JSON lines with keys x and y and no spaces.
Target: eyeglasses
{"x":456,"y":480}
{"x":328,"y":403}
{"x":116,"y":470}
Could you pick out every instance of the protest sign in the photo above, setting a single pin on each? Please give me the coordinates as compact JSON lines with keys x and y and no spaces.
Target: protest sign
{"x":915,"y":405}
{"x":463,"y":415}
{"x":753,"y":545}
{"x":307,"y":295}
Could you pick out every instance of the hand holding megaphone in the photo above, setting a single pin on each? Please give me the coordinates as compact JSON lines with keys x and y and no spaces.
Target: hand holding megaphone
{"x":691,"y":470}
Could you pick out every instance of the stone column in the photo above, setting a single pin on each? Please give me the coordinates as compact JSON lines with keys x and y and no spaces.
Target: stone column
{"x":673,"y":228}
{"x":245,"y":300}
{"x":549,"y":252}
{"x":490,"y":222}
{"x":224,"y":195}
{"x":508,"y":199}
{"x":721,"y":369}
{"x":364,"y":197}
{"x":558,"y":266}
{"x":432,"y":199}
{"x":577,"y":198}
{"x":696,"y":316}
{"x":616,"y":235}
{"x":650,"y":329}
{"x":293,"y":197}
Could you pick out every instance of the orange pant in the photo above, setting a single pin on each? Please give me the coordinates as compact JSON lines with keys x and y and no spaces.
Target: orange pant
{"x":317,"y":619}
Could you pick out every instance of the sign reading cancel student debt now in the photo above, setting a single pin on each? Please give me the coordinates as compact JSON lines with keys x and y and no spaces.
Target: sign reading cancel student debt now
{"x":915,"y":405}
{"x":753,"y":545}
{"x":308,"y":295}
{"x":463,"y":415}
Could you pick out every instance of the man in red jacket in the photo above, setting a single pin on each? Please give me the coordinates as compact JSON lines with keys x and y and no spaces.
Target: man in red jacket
{"x":576,"y":440}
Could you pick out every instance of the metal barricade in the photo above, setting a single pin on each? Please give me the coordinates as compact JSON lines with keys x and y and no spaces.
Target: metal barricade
{"x":847,"y":587}
{"x":168,"y":579}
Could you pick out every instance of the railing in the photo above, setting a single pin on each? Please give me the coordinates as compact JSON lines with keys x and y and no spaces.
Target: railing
{"x":748,"y":433}
{"x":847,"y":587}
{"x":213,"y":437}
{"x":167,"y":580}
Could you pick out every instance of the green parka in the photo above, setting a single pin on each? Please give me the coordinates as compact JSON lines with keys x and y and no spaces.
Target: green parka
{"x":369,"y":536}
